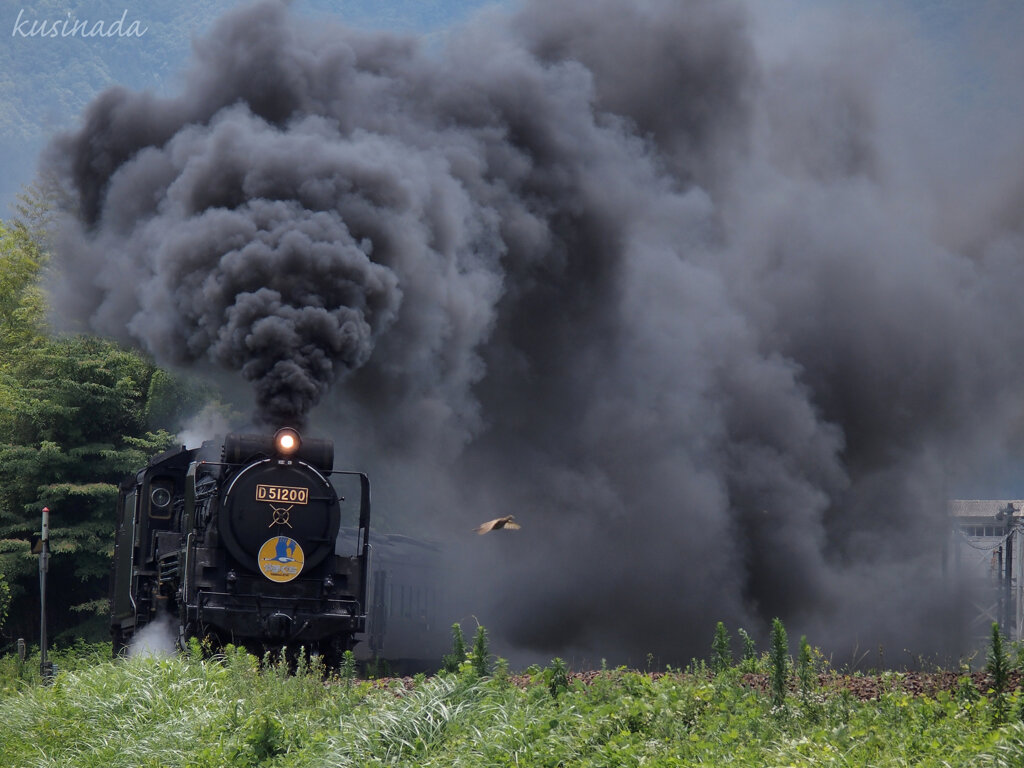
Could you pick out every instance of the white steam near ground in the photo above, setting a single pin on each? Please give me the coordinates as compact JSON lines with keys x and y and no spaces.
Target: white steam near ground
{"x":719,"y":300}
{"x":158,"y":638}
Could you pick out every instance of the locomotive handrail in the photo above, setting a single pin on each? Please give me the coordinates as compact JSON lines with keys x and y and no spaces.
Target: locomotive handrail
{"x":364,"y":528}
{"x":364,"y":487}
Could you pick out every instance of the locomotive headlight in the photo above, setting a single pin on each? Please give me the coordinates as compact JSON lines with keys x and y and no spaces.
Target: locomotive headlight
{"x":286,"y":441}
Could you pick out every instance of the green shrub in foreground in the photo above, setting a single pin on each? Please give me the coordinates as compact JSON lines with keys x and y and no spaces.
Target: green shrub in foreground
{"x":15,"y":674}
{"x":230,"y":712}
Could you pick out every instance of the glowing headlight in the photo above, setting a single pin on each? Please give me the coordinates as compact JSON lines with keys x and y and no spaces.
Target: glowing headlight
{"x":286,"y":441}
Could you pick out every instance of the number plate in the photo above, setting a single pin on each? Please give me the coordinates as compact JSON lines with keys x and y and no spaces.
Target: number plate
{"x":282,"y":493}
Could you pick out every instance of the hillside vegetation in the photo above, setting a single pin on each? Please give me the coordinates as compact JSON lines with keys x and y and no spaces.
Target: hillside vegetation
{"x":77,"y":414}
{"x":46,"y":82}
{"x":230,"y":711}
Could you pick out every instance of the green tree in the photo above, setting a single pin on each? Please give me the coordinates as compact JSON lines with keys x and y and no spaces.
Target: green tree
{"x":171,"y":399}
{"x":77,"y":426}
{"x":37,"y":207}
{"x":22,"y":305}
{"x":74,"y":420}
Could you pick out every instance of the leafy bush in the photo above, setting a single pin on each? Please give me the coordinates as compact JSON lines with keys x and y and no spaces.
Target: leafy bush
{"x":348,"y":667}
{"x":557,"y":677}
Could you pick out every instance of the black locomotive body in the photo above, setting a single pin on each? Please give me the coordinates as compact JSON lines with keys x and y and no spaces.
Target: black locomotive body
{"x":248,"y":549}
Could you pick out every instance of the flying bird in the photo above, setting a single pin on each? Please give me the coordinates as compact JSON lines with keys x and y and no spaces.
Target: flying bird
{"x":496,"y":523}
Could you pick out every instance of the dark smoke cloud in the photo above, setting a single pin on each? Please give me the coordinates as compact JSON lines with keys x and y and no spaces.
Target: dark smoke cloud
{"x":720,"y":305}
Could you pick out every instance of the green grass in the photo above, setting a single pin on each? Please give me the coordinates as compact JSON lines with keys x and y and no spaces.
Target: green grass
{"x":228,"y":711}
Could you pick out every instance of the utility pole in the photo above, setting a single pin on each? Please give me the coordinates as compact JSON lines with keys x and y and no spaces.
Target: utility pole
{"x":45,"y":666}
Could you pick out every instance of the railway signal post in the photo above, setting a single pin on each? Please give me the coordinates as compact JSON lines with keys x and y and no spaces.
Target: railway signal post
{"x":45,"y":665}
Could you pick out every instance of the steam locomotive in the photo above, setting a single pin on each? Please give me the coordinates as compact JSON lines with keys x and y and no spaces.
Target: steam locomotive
{"x":265,"y":546}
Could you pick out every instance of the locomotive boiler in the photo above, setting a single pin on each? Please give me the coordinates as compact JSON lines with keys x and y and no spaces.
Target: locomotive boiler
{"x":263,"y":546}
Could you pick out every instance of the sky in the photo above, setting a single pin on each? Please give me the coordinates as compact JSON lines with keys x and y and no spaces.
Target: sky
{"x":59,"y":92}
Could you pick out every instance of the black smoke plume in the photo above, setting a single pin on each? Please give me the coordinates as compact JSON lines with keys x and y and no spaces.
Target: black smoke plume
{"x":722,"y":305}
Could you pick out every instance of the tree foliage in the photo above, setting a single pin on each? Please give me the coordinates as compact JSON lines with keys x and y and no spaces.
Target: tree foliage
{"x":5,"y":599}
{"x":76,"y":415}
{"x":22,"y":306}
{"x":74,"y":427}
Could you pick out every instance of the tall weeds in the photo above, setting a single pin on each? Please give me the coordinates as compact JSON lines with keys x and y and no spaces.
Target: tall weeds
{"x":779,"y":663}
{"x":721,"y":649}
{"x":999,"y":670}
{"x":229,"y":711}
